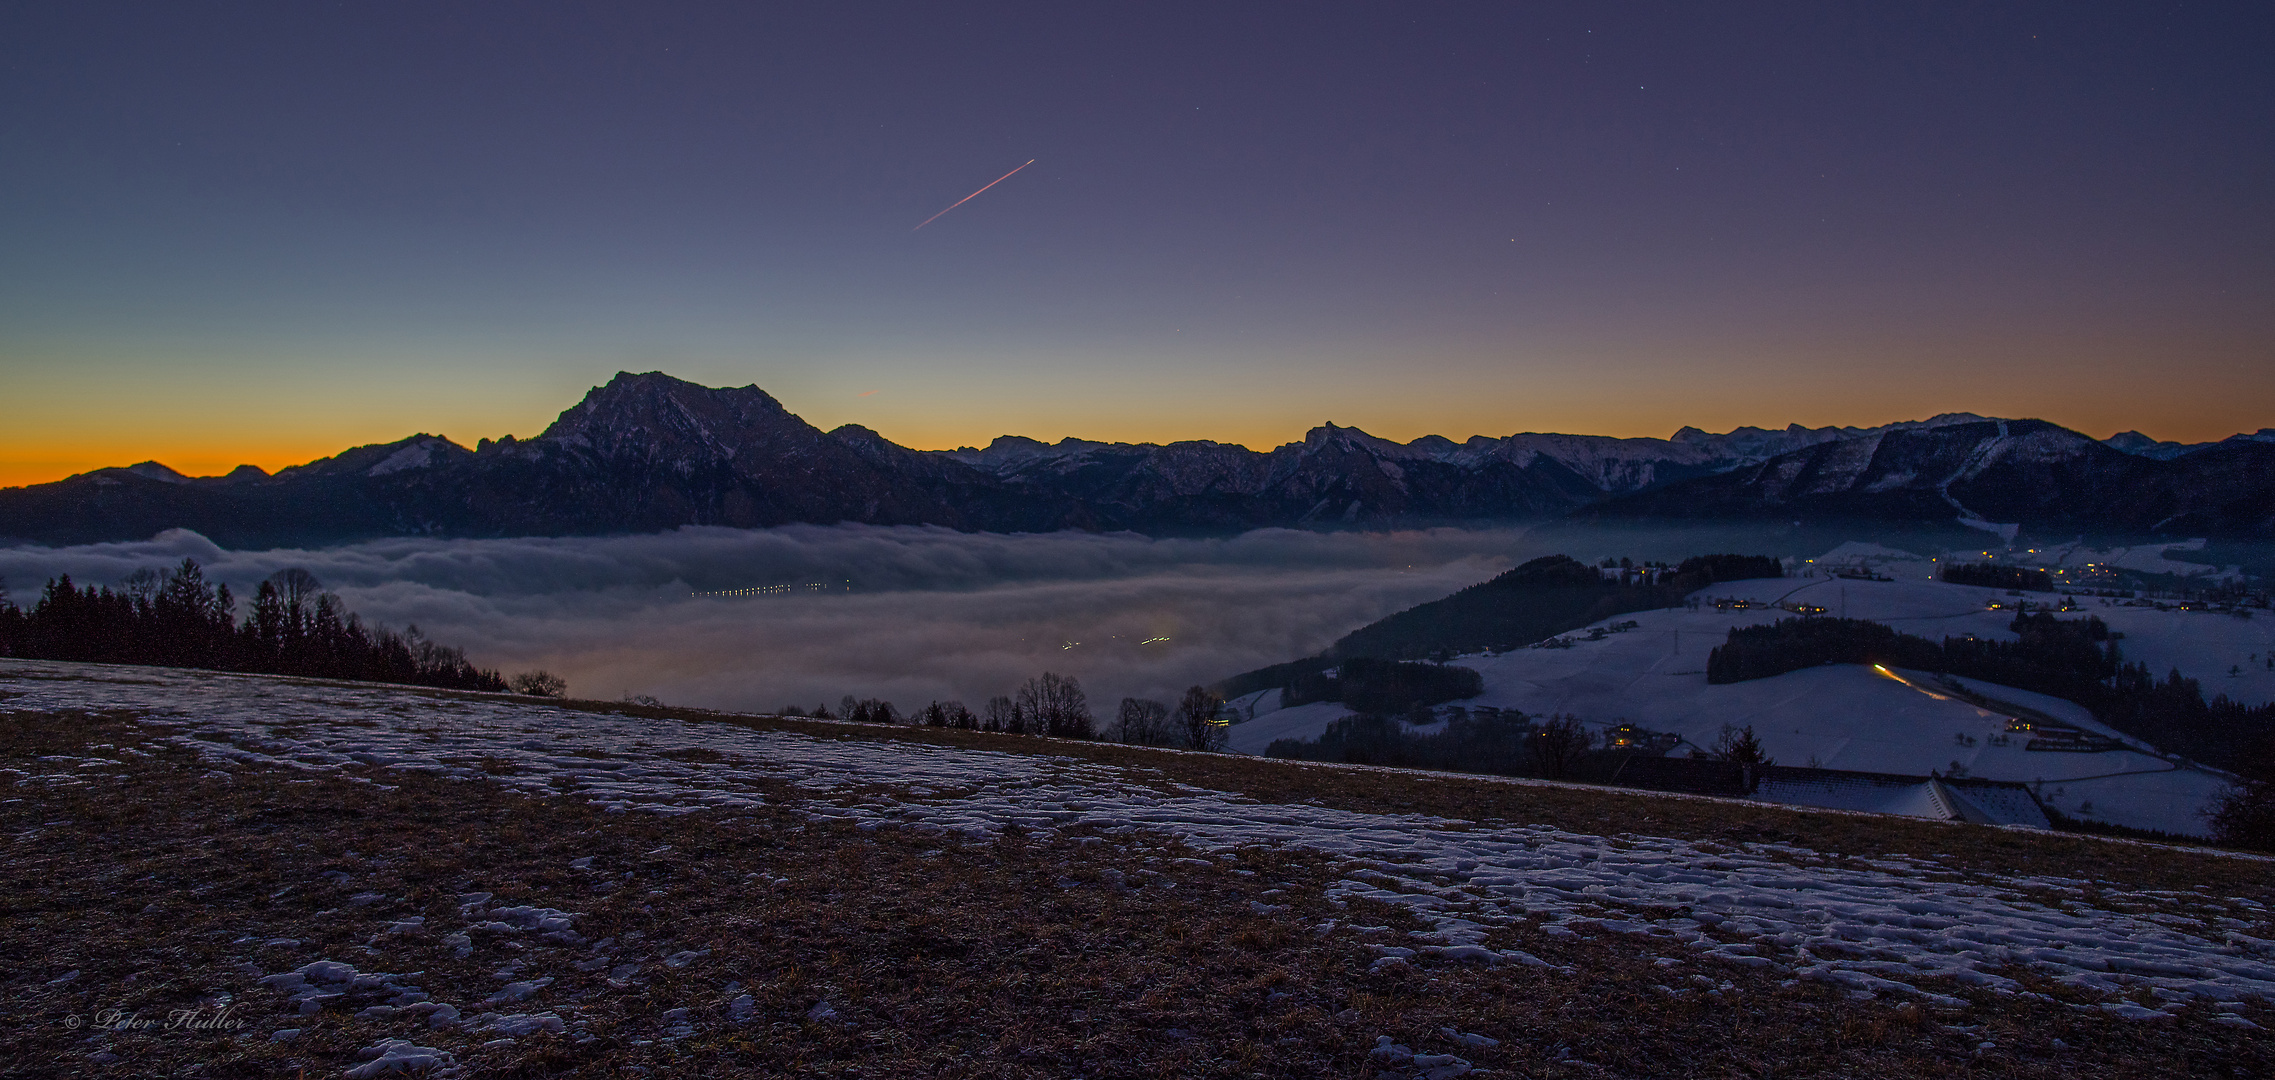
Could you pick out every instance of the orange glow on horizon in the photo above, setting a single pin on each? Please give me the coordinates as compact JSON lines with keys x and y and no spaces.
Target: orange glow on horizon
{"x":20,"y":466}
{"x":200,"y":432}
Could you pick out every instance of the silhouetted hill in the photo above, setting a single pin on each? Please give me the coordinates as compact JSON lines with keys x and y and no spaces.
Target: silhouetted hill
{"x":1542,"y":598}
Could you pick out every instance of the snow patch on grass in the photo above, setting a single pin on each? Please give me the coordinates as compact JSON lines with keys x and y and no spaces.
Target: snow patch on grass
{"x":1878,"y":928}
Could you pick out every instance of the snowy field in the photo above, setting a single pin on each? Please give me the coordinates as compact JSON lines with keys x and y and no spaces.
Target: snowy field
{"x":1851,"y":717}
{"x":1877,"y":929}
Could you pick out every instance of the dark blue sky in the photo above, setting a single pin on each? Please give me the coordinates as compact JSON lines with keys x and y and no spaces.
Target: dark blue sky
{"x":261,"y":232}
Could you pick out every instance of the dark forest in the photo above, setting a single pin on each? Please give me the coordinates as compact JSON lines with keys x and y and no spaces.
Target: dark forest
{"x":180,"y":619}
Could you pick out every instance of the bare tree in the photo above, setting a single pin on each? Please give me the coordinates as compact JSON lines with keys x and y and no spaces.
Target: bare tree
{"x":1001,"y":715}
{"x":2244,"y":815}
{"x":1027,"y":707}
{"x":1200,"y":720}
{"x":540,"y":683}
{"x":1739,"y":746}
{"x":1070,"y":710}
{"x":1055,"y":705}
{"x":1143,"y":722}
{"x":142,"y":585}
{"x":1558,"y":743}
{"x":297,"y":590}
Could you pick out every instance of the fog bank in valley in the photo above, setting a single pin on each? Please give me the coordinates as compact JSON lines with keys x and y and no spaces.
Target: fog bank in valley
{"x":906,"y":614}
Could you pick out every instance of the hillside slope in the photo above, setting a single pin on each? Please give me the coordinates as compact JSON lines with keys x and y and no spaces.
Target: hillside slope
{"x":1848,"y":717}
{"x":588,"y":889}
{"x":1540,"y":599}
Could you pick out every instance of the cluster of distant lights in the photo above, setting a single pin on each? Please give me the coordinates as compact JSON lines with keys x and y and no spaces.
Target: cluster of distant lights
{"x":1071,"y":644}
{"x":773,"y":590}
{"x":1990,"y":555}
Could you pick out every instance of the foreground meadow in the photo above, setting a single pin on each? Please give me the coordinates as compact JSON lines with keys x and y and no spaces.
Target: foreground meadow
{"x":242,"y":876}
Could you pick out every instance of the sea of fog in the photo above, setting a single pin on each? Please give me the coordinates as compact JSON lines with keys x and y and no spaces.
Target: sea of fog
{"x":906,"y":614}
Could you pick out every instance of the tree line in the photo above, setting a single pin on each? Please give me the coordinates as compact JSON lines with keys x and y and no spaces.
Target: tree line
{"x":179,"y":618}
{"x":1540,"y":599}
{"x":1384,"y":686}
{"x":1498,"y":742}
{"x":1054,"y":705}
{"x":2074,"y":659}
{"x":1495,"y":741}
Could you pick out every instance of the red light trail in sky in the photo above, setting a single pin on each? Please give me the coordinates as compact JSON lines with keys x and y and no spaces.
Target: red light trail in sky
{"x":973,"y":195}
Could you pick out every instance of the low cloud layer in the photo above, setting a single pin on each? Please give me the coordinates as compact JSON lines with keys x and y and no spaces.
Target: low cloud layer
{"x":917,"y":613}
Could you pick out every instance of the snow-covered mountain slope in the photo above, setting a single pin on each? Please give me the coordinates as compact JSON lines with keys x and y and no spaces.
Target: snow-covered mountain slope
{"x":1854,"y":718}
{"x":1342,"y":475}
{"x":2029,"y":473}
{"x":2133,"y":442}
{"x":1607,"y":464}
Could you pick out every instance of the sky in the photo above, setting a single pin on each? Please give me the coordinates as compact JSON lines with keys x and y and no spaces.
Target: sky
{"x":265,"y":232}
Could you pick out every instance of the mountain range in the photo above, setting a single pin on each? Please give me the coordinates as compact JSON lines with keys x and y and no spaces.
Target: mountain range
{"x":2046,"y":479}
{"x":650,"y":452}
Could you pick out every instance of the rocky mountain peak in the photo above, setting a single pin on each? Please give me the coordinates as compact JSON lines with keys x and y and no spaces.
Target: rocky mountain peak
{"x":1330,"y":436}
{"x":657,"y":417}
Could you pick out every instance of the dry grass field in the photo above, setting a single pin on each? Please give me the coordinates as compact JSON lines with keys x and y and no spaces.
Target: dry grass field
{"x":169,"y":914}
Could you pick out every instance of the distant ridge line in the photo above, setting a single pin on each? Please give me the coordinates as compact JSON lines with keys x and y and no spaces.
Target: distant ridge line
{"x":648,"y":452}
